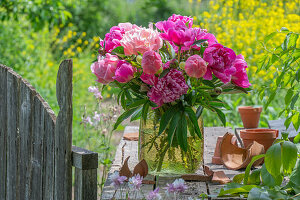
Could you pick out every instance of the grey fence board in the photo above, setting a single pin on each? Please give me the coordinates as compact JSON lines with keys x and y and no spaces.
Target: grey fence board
{"x":35,"y":148}
{"x":25,"y":129}
{"x":3,"y":130}
{"x":63,"y":132}
{"x":12,"y":135}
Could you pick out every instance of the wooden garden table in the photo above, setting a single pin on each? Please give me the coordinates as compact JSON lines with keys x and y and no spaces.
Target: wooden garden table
{"x":130,"y":148}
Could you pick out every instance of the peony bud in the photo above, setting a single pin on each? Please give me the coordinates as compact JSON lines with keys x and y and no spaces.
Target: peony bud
{"x":218,"y":90}
{"x":124,"y":72}
{"x":139,"y":59}
{"x":195,"y":66}
{"x":159,"y":71}
{"x":182,"y":65}
{"x":151,"y":62}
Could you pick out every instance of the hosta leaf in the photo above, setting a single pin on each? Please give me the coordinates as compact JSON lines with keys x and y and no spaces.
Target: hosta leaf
{"x":289,"y":156}
{"x":273,"y":160}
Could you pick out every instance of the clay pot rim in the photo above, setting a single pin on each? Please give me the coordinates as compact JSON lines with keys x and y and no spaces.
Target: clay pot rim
{"x":259,"y":133}
{"x":249,"y":108}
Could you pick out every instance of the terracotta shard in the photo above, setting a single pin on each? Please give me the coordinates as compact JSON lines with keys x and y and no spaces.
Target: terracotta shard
{"x":216,"y":159}
{"x":141,"y":168}
{"x":208,"y":171}
{"x":131,"y":136}
{"x":196,"y":177}
{"x":234,"y":157}
{"x":220,"y":177}
{"x":125,"y":171}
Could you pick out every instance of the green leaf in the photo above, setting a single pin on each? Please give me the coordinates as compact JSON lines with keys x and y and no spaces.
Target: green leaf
{"x":284,"y":29}
{"x":268,"y":179}
{"x":292,"y":40}
{"x":137,"y":114}
{"x":295,"y":98}
{"x":118,"y":50}
{"x":238,"y":178}
{"x":173,"y":126}
{"x":284,"y":45}
{"x":295,"y":178}
{"x":247,"y":171}
{"x":164,"y":73}
{"x":296,"y":121}
{"x":298,"y":75}
{"x":297,"y":138}
{"x":208,"y":83}
{"x":289,"y":156}
{"x":257,"y":193}
{"x":235,"y":188}
{"x":220,"y":115}
{"x":165,"y":119}
{"x":273,"y":159}
{"x":124,"y":116}
{"x":181,"y":133}
{"x":137,"y":103}
{"x":198,"y":42}
{"x":192,"y":116}
{"x":288,"y":121}
{"x":288,"y":96}
{"x":199,"y":112}
{"x":270,"y":36}
{"x":145,"y":111}
{"x":171,"y":50}
{"x":254,"y":177}
{"x":271,"y":97}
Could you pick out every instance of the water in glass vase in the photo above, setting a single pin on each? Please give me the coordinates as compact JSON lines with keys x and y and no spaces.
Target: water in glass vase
{"x":162,"y":159}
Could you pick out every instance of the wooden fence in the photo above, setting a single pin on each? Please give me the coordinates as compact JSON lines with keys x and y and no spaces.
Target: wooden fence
{"x":36,"y":153}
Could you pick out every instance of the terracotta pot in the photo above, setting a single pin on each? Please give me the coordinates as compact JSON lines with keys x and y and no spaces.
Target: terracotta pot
{"x":250,"y":116}
{"x":234,"y":157}
{"x":265,"y":137}
{"x":216,"y":159}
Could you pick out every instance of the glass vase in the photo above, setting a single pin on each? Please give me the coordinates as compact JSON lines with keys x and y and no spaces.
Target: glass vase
{"x":163,"y":159}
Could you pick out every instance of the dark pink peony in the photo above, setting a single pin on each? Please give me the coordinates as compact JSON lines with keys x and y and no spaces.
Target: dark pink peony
{"x":240,"y":77}
{"x":184,"y":19}
{"x":151,"y":62}
{"x":169,"y":88}
{"x":195,"y":66}
{"x":149,"y":79}
{"x":124,"y":72}
{"x":105,"y":68}
{"x":202,"y":34}
{"x":220,"y":60}
{"x":112,"y":39}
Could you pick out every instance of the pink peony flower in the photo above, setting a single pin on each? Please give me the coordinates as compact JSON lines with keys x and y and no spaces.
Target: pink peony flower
{"x":184,"y":19}
{"x":105,"y":68}
{"x":112,"y":39}
{"x":202,"y":34}
{"x":220,"y":60}
{"x":151,"y":62}
{"x":169,"y":88}
{"x":195,"y":66}
{"x":141,"y":40}
{"x":149,"y":79}
{"x":240,"y":77}
{"x":124,"y":72}
{"x":176,"y":32}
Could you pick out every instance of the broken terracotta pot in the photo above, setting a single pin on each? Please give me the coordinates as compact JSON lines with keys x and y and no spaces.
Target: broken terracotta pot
{"x":250,"y":116}
{"x":234,"y":157}
{"x":141,"y":168}
{"x":216,"y":159}
{"x":265,"y":137}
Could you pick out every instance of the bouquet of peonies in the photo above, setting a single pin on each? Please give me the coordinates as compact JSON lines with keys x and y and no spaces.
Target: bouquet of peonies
{"x":174,"y":69}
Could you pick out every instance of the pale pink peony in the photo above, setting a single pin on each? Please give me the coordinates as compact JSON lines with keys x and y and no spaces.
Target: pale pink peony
{"x":149,"y":79}
{"x":112,"y":39}
{"x":169,"y":88}
{"x":184,"y":19}
{"x":124,"y":72}
{"x":151,"y":62}
{"x":220,"y":60}
{"x":240,"y":77}
{"x":141,"y":40}
{"x":195,"y":66}
{"x":105,"y":68}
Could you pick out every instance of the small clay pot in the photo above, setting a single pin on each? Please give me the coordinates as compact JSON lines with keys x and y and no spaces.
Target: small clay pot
{"x":265,"y":137}
{"x":234,"y":157}
{"x":250,"y":116}
{"x":216,"y":159}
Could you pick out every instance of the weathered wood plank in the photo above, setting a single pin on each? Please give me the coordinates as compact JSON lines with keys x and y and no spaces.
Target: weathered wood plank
{"x":63,"y":133}
{"x":37,"y":150}
{"x":3,"y":130}
{"x":84,"y":159}
{"x":13,"y":145}
{"x":85,"y":184}
{"x":48,"y":165}
{"x":25,"y":127}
